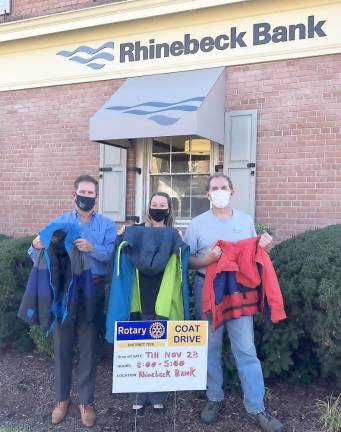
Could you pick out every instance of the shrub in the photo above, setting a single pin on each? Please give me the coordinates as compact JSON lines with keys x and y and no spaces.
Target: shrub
{"x":3,"y":237}
{"x":260,"y":228}
{"x":308,"y":343}
{"x":43,"y":343}
{"x":15,"y":266}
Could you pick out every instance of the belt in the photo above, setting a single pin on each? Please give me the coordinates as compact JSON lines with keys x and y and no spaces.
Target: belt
{"x":200,"y":274}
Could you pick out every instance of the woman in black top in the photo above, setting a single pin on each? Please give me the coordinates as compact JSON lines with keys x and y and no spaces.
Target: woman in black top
{"x":159,"y":214}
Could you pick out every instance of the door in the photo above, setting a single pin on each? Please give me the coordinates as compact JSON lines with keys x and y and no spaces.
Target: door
{"x":240,"y":157}
{"x":113,"y":182}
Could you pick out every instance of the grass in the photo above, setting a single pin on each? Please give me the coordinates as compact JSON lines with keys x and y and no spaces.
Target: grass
{"x":330,"y":413}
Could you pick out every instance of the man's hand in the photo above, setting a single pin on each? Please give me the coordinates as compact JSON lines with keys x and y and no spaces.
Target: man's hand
{"x":83,"y":245}
{"x":212,"y":255}
{"x":37,"y":243}
{"x":265,"y":241}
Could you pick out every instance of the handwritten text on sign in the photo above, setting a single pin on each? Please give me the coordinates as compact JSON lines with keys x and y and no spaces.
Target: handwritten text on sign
{"x":155,"y":356}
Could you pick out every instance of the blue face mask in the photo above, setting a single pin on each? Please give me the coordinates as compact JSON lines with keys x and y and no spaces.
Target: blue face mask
{"x":85,"y":203}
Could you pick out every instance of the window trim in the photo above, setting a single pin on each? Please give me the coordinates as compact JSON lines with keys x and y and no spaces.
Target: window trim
{"x":214,"y":159}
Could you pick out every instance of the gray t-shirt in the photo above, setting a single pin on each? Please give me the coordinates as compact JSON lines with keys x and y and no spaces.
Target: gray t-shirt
{"x":206,"y":229}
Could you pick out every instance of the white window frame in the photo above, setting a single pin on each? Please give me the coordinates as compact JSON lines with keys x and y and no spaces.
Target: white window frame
{"x":144,"y":155}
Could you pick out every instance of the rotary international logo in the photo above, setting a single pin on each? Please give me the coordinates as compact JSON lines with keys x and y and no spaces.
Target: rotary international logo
{"x":157,"y":330}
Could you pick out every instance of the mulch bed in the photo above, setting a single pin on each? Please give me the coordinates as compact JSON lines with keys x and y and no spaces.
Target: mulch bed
{"x":26,"y":401}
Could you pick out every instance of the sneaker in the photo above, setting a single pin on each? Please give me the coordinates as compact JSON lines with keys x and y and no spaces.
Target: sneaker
{"x":138,"y":410}
{"x":88,"y":415}
{"x":268,"y":422}
{"x":210,"y":412}
{"x":60,"y":411}
{"x":159,"y":408}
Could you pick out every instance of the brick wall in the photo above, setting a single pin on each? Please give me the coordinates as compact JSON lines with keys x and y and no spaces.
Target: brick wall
{"x":298,"y":182}
{"x":44,"y":146}
{"x":22,"y":9}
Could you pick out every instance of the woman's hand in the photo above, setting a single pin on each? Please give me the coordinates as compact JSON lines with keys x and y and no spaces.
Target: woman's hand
{"x":121,"y":230}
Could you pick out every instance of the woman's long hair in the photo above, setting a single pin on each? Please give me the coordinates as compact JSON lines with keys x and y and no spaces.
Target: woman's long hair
{"x":170,"y":218}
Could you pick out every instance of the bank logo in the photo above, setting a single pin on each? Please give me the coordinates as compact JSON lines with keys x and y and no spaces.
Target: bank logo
{"x":157,"y":330}
{"x":152,"y":108}
{"x":94,"y":58}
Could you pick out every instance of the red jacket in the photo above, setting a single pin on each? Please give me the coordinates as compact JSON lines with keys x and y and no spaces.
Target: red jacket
{"x":250,"y":284}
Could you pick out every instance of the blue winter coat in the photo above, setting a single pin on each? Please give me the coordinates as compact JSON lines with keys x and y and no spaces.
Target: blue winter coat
{"x":58,"y":275}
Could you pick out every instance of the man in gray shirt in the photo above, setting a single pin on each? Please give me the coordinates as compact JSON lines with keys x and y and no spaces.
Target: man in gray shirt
{"x":223,"y":222}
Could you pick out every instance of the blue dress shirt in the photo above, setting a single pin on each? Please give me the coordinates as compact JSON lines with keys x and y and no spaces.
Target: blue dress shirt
{"x":100,"y":231}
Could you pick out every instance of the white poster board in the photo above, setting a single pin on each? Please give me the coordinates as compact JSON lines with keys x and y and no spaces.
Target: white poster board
{"x":156,"y":356}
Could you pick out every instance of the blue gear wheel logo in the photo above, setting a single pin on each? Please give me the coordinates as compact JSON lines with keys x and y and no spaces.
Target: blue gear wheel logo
{"x":157,"y":330}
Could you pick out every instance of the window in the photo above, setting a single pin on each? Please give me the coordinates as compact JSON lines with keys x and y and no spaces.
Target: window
{"x":181,"y":166}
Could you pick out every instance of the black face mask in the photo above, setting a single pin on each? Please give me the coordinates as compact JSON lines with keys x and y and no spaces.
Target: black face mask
{"x":85,"y":203}
{"x":158,"y":214}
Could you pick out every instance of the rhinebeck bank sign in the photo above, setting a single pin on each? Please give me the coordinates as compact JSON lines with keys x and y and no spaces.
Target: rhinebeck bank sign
{"x":262,"y":34}
{"x":121,"y":51}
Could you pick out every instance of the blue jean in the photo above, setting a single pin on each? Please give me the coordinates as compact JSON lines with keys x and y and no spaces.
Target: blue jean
{"x":241,"y":335}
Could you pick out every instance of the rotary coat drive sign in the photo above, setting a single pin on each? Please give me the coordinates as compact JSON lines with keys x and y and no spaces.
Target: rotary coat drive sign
{"x":155,"y":356}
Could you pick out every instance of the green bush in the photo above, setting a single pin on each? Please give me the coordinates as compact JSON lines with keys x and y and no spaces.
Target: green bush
{"x":43,"y":343}
{"x":308,"y":343}
{"x":15,"y":266}
{"x":260,"y":228}
{"x":3,"y":237}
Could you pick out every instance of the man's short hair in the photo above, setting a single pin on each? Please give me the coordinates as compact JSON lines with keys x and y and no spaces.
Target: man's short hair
{"x":88,"y":179}
{"x":219,"y":175}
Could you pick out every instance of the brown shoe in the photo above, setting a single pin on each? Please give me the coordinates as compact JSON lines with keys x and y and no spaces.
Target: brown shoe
{"x":88,"y":415}
{"x":59,"y":412}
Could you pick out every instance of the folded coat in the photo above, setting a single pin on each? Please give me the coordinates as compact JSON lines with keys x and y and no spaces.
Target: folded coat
{"x":58,"y":275}
{"x":242,"y":282}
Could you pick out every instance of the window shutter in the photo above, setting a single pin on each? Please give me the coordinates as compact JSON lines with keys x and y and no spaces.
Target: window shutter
{"x":240,"y":157}
{"x":113,"y":182}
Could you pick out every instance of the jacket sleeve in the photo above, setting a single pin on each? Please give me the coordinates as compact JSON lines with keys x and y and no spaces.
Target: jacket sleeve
{"x":120,"y":296}
{"x":33,"y":253}
{"x":272,"y":289}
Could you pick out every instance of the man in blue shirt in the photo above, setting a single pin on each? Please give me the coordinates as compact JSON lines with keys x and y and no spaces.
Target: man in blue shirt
{"x":97,"y":241}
